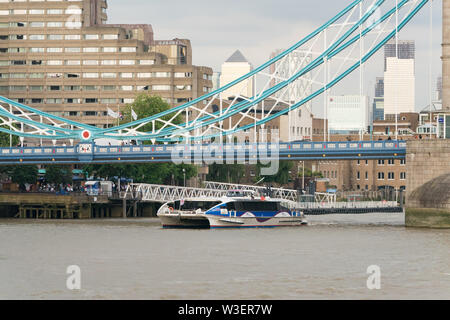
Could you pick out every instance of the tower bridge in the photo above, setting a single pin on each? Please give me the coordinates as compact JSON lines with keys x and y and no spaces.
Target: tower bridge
{"x":340,"y":47}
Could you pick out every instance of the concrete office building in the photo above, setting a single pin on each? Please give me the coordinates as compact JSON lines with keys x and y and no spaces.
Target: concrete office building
{"x":233,"y":68}
{"x":348,"y":114}
{"x":61,"y":57}
{"x":403,"y":49}
{"x":399,"y":86}
{"x":399,"y":76}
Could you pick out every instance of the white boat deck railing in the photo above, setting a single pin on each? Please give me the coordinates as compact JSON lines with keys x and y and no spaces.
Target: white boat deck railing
{"x":347,"y":205}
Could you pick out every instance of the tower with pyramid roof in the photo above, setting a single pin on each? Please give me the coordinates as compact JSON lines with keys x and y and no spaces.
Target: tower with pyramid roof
{"x":233,"y":68}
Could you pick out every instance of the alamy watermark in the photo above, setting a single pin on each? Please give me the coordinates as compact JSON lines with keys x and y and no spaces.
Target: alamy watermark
{"x":73,"y":281}
{"x":374,"y":279}
{"x":235,"y":149}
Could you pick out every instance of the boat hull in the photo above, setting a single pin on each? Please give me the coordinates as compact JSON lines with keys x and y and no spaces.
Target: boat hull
{"x":217,"y":222}
{"x":190,"y":221}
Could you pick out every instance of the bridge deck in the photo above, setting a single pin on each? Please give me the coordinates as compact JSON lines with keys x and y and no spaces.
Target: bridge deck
{"x":90,"y":153}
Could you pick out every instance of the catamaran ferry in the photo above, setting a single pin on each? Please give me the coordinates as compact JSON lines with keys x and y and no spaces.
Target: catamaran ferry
{"x":238,"y":209}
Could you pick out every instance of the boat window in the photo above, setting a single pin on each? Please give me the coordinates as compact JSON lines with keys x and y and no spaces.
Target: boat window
{"x":194,"y":205}
{"x":259,"y":206}
{"x":231,"y":206}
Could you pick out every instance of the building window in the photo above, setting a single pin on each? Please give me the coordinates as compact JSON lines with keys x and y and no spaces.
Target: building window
{"x":128,"y":49}
{"x":109,"y":49}
{"x":73,"y":62}
{"x":72,"y":37}
{"x":73,"y":50}
{"x":90,"y":49}
{"x":55,"y":37}
{"x":91,"y":37}
{"x":391,"y":176}
{"x":144,"y":75}
{"x":110,"y":36}
{"x":109,"y":75}
{"x":127,"y":62}
{"x":161,"y":87}
{"x":90,"y":62}
{"x":90,"y":75}
{"x":146,"y":62}
{"x":380,"y":175}
{"x":381,"y":162}
{"x":402,"y":175}
{"x":108,"y":62}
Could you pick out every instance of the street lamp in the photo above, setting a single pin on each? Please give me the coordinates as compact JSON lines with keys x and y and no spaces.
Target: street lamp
{"x":184,"y":177}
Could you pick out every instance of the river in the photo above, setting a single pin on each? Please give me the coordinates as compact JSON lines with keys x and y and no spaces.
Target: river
{"x":137,"y":259}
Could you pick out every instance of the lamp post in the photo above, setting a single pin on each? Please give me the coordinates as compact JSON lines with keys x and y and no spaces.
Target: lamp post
{"x":184,"y":177}
{"x":303,"y":176}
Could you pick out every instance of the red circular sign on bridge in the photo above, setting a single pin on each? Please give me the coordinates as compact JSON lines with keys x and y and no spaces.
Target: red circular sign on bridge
{"x":86,"y":134}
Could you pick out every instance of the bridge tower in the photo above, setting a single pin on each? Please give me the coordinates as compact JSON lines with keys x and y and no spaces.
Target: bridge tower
{"x":445,"y":121}
{"x":428,"y":168}
{"x":446,"y":55}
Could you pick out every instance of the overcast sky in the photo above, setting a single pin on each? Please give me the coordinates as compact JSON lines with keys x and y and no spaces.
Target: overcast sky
{"x":258,"y":27}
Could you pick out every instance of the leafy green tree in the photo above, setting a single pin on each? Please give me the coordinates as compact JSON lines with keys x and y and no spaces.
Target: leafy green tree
{"x":58,"y":174}
{"x":310,"y":174}
{"x":281,"y":177}
{"x":229,"y":173}
{"x":23,"y":175}
{"x":5,"y":139}
{"x":156,"y":173}
{"x":146,"y":106}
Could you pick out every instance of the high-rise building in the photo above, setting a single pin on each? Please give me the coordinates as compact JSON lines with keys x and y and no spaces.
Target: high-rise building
{"x":61,"y":57}
{"x":379,"y":88}
{"x":378,"y":101}
{"x":300,"y":120}
{"x":233,"y":68}
{"x":403,"y":49}
{"x":348,"y":114}
{"x":399,"y":86}
{"x":399,"y":77}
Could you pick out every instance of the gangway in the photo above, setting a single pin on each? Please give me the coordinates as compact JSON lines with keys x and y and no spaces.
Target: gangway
{"x":163,"y":193}
{"x":278,"y":193}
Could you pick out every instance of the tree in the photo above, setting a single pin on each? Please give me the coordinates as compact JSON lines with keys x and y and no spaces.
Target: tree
{"x":230,"y":173}
{"x":5,"y":141}
{"x":23,"y":175}
{"x":146,"y":106}
{"x":310,"y":174}
{"x":281,"y":177}
{"x":155,"y":173}
{"x":58,"y":174}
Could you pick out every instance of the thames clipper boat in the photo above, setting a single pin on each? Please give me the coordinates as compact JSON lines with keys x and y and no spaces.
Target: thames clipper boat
{"x":238,"y":209}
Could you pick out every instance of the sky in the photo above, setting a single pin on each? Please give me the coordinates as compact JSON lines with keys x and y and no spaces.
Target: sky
{"x":258,"y":27}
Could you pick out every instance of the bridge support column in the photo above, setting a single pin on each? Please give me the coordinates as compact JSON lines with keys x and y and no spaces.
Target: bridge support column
{"x":428,"y":184}
{"x":124,"y":208}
